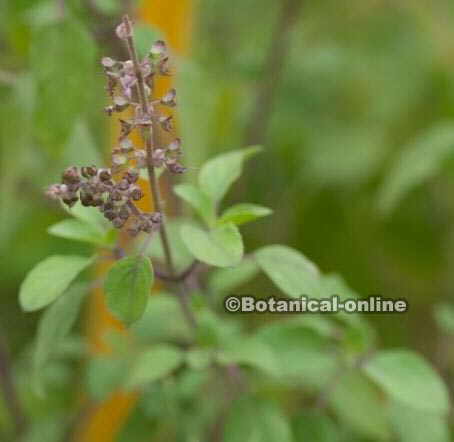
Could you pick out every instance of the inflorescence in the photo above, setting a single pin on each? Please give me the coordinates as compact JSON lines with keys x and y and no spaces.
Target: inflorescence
{"x":114,"y":191}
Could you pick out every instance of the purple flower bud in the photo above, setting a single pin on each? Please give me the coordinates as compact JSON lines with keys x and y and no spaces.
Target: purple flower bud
{"x":175,"y":145}
{"x":118,"y":223}
{"x":123,"y":185}
{"x":158,"y":49}
{"x":126,"y":146}
{"x":136,"y":193}
{"x":108,"y":62}
{"x":86,"y":199}
{"x":108,"y":205}
{"x":116,"y":195}
{"x":141,"y":158}
{"x":166,"y":122}
{"x":124,"y":213}
{"x":174,"y":167}
{"x":53,"y":191}
{"x":155,"y":217}
{"x":163,"y":66}
{"x":71,"y":175}
{"x":126,"y":128}
{"x":71,"y":200}
{"x":119,"y":160}
{"x":104,"y":175}
{"x":158,"y":157}
{"x":169,"y":99}
{"x":110,"y":214}
{"x":132,"y":175}
{"x":123,"y":31}
{"x":88,"y":171}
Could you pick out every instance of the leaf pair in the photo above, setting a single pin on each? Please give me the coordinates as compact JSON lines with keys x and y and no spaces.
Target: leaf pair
{"x":222,"y":245}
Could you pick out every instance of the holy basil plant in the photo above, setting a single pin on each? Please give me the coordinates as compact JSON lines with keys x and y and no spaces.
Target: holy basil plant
{"x":303,"y":377}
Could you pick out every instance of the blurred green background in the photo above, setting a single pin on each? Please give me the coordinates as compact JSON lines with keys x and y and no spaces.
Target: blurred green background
{"x":353,"y":101}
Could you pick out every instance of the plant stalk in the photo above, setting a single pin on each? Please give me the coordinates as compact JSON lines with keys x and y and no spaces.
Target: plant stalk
{"x":152,"y":141}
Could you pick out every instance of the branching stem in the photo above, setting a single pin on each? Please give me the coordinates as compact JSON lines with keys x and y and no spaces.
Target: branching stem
{"x":152,"y":141}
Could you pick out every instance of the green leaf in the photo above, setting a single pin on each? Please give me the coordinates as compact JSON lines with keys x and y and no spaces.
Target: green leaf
{"x":128,"y":285}
{"x":198,"y":200}
{"x":419,"y":161}
{"x":89,"y":216}
{"x":290,"y":270}
{"x":63,"y":91}
{"x":358,"y":404}
{"x":55,"y":324}
{"x":218,"y":174}
{"x":108,"y":7}
{"x":409,"y":379}
{"x":162,"y":321}
{"x":221,"y":247}
{"x":199,"y":358}
{"x":49,"y":279}
{"x":105,"y":374}
{"x":154,"y":364}
{"x":224,"y":280}
{"x":251,"y":351}
{"x":81,"y":150}
{"x":243,"y":213}
{"x":444,"y":317}
{"x":418,"y":426}
{"x":254,"y":420}
{"x":359,"y":335}
{"x":313,"y":427}
{"x":78,"y":231}
{"x":304,"y":357}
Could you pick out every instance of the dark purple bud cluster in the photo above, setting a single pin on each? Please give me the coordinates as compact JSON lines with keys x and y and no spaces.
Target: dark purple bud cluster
{"x":114,"y":192}
{"x":145,"y":222}
{"x":114,"y":198}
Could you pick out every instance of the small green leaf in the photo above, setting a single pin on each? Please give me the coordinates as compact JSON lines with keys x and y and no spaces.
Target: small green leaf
{"x":418,"y":426}
{"x":88,"y":215}
{"x":221,"y":247}
{"x":218,"y":174}
{"x":224,"y":280}
{"x":128,"y":285}
{"x":199,"y":358}
{"x":81,"y":150}
{"x":198,"y":200}
{"x":108,"y":7}
{"x":162,"y":321}
{"x":55,"y":324}
{"x":444,"y":317}
{"x":304,"y":356}
{"x":78,"y":231}
{"x":154,"y":364}
{"x":251,"y":351}
{"x":49,"y":279}
{"x":243,"y":213}
{"x":256,"y":420}
{"x":106,"y":374}
{"x":419,"y":161}
{"x":313,"y":427}
{"x":409,"y":379}
{"x":359,"y":404}
{"x":290,"y":270}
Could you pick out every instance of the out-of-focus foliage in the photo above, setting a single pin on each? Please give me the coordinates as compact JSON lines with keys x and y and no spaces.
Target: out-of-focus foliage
{"x":357,"y":168}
